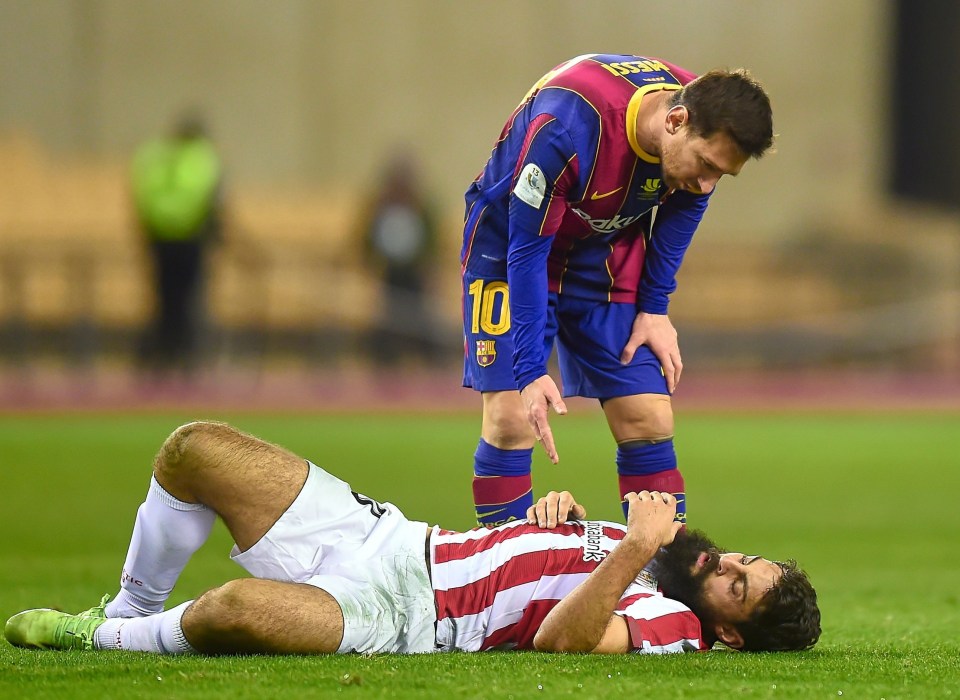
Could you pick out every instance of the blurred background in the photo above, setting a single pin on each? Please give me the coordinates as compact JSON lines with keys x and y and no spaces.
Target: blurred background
{"x":311,"y":127}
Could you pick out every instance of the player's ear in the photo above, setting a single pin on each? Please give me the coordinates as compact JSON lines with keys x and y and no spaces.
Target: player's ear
{"x":729,"y":635}
{"x":676,"y":117}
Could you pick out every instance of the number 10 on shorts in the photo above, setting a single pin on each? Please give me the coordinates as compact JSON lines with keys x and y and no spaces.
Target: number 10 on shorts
{"x":491,"y":307}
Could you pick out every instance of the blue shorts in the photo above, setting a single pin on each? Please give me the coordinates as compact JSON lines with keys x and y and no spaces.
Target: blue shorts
{"x":589,"y":336}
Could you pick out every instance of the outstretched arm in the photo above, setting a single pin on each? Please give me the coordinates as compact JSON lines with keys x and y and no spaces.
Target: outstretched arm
{"x":537,"y":204}
{"x":583,"y":619}
{"x":677,"y":220}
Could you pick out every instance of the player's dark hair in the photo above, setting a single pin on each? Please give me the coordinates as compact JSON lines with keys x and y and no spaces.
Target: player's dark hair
{"x":786,"y":618}
{"x":731,"y":102}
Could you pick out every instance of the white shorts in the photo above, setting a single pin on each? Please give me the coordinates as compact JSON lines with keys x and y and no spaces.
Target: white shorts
{"x":367,"y":555}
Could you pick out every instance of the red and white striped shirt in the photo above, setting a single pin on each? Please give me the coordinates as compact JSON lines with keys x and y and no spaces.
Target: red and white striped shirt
{"x":494,"y":587}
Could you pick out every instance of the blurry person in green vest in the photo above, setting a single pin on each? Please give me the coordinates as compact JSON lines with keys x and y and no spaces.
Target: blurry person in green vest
{"x":177,"y":194}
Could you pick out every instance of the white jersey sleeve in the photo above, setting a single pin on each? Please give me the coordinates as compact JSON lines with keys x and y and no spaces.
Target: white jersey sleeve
{"x":659,"y":625}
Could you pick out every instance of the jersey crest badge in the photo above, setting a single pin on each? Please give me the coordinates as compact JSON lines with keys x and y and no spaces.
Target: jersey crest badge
{"x":650,"y":188}
{"x":486,"y":352}
{"x":531,"y":185}
{"x":645,"y":578}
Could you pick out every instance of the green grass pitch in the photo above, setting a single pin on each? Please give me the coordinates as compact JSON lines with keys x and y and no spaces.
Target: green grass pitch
{"x":865,"y":502}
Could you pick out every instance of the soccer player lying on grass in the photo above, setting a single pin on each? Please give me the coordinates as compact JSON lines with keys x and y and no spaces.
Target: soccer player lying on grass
{"x":335,"y":571}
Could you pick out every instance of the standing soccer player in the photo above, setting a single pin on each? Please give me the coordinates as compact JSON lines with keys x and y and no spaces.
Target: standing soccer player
{"x":574,"y":232}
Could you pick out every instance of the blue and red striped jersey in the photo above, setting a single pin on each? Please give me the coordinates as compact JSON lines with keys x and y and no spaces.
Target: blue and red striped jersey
{"x":566,"y":201}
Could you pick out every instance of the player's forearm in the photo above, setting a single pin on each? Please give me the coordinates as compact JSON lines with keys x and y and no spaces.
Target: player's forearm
{"x":659,"y":280}
{"x":527,"y":281}
{"x":676,"y":223}
{"x":578,"y":622}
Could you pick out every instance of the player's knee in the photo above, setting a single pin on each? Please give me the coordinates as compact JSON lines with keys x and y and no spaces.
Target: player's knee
{"x":222,"y":610}
{"x":227,"y":601}
{"x":217,"y":621}
{"x":508,"y":432}
{"x":651,"y":418}
{"x":505,"y":423}
{"x":658,"y":423}
{"x":181,"y":450}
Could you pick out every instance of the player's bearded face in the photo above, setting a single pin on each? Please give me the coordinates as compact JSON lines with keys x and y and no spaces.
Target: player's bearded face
{"x":677,"y":574}
{"x":695,"y":164}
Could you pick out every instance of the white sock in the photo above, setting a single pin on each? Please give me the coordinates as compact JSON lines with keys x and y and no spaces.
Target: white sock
{"x":166,"y":533}
{"x":160,"y":633}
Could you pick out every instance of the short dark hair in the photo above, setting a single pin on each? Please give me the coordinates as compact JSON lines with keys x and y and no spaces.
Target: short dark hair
{"x":731,"y":102}
{"x":786,"y":618}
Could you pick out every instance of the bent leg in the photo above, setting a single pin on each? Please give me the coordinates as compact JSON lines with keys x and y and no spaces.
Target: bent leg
{"x":202,"y":469}
{"x":248,"y":482}
{"x":642,"y":425}
{"x":255,"y":616}
{"x":502,"y":487}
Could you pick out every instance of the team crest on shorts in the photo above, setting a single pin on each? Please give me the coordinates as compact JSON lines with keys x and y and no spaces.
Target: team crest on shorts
{"x":486,"y":352}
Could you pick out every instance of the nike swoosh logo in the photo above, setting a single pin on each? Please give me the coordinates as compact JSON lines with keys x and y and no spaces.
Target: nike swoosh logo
{"x":489,"y":513}
{"x":597,"y":195}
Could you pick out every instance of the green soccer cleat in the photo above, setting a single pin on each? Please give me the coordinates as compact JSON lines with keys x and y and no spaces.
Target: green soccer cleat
{"x":44,"y":628}
{"x":99,"y":610}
